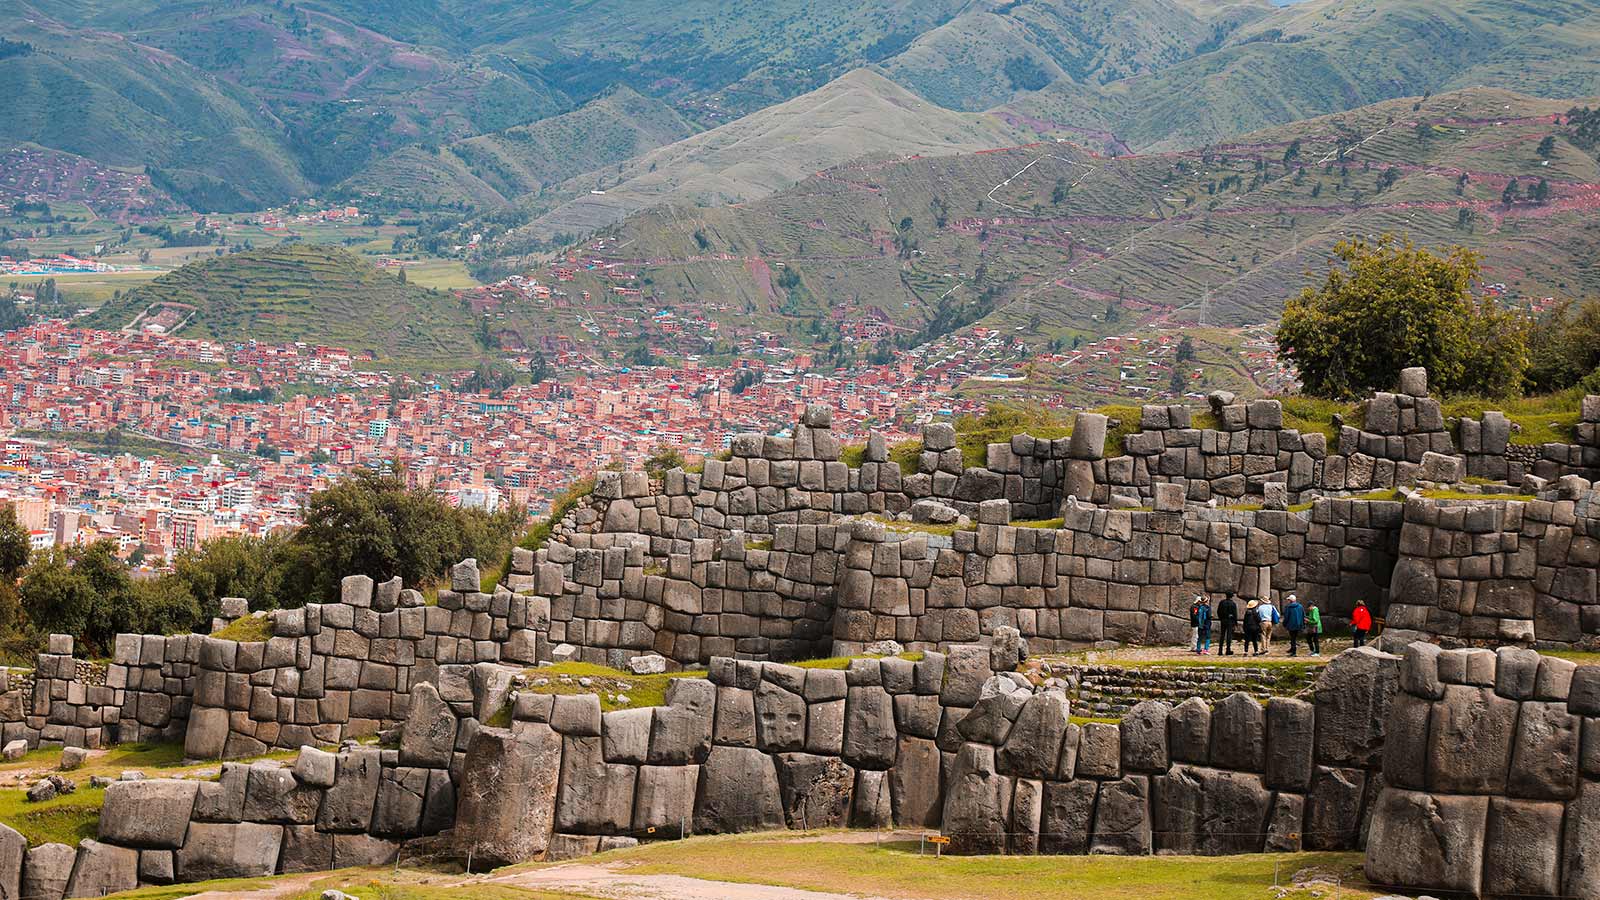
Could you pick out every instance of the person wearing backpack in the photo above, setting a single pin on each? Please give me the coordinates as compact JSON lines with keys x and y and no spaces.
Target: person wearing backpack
{"x":1294,"y":620}
{"x":1200,"y":623}
{"x":1227,"y":618}
{"x":1314,"y":629}
{"x":1269,"y":617}
{"x":1252,"y":628}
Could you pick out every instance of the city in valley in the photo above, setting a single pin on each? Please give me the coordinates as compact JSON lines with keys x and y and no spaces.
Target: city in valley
{"x":161,"y":443}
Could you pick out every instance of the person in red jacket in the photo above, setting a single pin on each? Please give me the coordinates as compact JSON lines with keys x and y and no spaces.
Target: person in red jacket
{"x":1360,"y":622}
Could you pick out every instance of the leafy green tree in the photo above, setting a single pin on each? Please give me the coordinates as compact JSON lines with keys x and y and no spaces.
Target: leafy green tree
{"x":14,"y":544}
{"x":1547,"y":147}
{"x":1390,"y":304}
{"x":661,"y":460}
{"x":1564,"y":347}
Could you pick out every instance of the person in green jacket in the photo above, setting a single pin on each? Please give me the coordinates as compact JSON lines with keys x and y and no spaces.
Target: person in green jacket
{"x":1314,"y":628}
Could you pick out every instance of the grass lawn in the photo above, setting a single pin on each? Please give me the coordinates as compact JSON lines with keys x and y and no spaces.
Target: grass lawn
{"x":444,"y":274}
{"x":896,"y":870}
{"x":641,"y":690}
{"x":1581,"y":657}
{"x":66,"y":819}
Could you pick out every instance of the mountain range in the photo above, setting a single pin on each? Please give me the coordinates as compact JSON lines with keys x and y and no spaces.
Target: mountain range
{"x":492,"y":103}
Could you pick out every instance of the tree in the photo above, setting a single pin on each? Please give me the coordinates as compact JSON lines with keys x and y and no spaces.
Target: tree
{"x":1390,"y":304}
{"x":538,"y":367}
{"x":1178,"y":383}
{"x":1564,"y":347}
{"x":1547,"y":147}
{"x":14,"y":545}
{"x":1540,"y":192}
{"x":662,"y":460}
{"x":1512,"y":193}
{"x":1185,"y":350}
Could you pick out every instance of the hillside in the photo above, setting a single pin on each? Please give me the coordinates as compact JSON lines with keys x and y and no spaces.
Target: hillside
{"x":96,"y":95}
{"x":302,"y":292}
{"x":858,"y":115}
{"x":496,"y":168}
{"x":1053,"y":241}
{"x":1327,"y":56}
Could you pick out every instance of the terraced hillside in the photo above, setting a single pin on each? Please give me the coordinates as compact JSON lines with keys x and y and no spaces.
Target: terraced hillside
{"x":1055,"y":241}
{"x":302,"y":292}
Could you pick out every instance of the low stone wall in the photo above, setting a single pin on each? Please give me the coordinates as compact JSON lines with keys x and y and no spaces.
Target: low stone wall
{"x":1490,"y":776}
{"x":1499,"y":571}
{"x":1491,"y":453}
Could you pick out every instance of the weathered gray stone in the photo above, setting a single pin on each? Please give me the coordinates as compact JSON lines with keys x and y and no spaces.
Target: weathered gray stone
{"x":508,"y":794}
{"x":869,"y":731}
{"x":1291,"y":736}
{"x":45,"y":870}
{"x":596,"y":797}
{"x":1352,"y":700}
{"x":229,"y":851}
{"x":738,"y":792}
{"x":1033,"y":747}
{"x":1122,"y":817}
{"x":1428,"y":842}
{"x":1100,"y":751}
{"x":316,"y":768}
{"x":273,"y":795}
{"x":1238,"y":734}
{"x":1405,"y":758}
{"x":680,"y":732}
{"x":1066,"y":818}
{"x":915,"y":783}
{"x":1545,"y":753}
{"x":1470,"y":750}
{"x":103,"y":869}
{"x":664,"y":798}
{"x":348,"y":805}
{"x":1522,"y":849}
{"x":1144,"y":738}
{"x":153,"y":814}
{"x":1285,"y":824}
{"x":815,"y":790}
{"x":1333,"y":809}
{"x":1189,"y":732}
{"x":977,"y":808}
{"x":13,"y":847}
{"x":1581,"y":857}
{"x":781,"y":719}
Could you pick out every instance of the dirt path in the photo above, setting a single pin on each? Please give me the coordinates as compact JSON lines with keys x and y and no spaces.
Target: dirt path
{"x":613,"y":881}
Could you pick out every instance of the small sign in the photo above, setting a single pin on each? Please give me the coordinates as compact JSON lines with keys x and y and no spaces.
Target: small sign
{"x":938,"y":839}
{"x":650,"y":830}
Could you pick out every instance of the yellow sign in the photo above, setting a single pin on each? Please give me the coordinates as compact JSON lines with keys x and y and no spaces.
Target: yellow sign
{"x":938,"y":839}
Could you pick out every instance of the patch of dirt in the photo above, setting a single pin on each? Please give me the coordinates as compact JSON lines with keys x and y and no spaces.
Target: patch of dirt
{"x":613,"y":881}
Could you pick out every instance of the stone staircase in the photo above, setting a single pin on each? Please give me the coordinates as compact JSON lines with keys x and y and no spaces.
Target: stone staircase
{"x":1109,"y":691}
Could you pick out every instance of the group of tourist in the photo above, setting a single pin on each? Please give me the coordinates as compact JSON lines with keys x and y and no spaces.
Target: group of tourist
{"x":1260,"y":618}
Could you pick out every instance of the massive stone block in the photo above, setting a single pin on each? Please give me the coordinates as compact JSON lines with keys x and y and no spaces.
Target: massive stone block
{"x":429,"y":734}
{"x":977,"y":807}
{"x":1033,"y":746}
{"x":1544,"y":756}
{"x":1522,"y":849}
{"x":348,"y":805}
{"x":1581,"y":875}
{"x":153,"y":814}
{"x":815,"y":790}
{"x":596,"y":797}
{"x":1144,"y":738}
{"x":1333,"y":809}
{"x":1122,"y":817}
{"x":1238,"y":734}
{"x":738,"y":792}
{"x":1470,"y":751}
{"x":915,"y":784}
{"x":229,"y":851}
{"x":508,"y":794}
{"x":1352,"y":701}
{"x":1428,"y":842}
{"x":103,"y":869}
{"x":45,"y":870}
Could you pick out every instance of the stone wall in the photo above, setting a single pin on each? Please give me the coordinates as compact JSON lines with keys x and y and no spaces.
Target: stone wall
{"x":1500,"y":571}
{"x":1491,"y":453}
{"x":345,"y":670}
{"x":1107,"y":574}
{"x":1491,"y":776}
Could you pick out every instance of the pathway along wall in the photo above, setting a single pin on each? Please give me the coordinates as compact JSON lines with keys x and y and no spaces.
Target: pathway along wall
{"x":1460,"y":770}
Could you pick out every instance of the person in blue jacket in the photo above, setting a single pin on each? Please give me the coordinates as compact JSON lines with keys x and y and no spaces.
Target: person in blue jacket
{"x":1294,"y":620}
{"x":1200,"y":618}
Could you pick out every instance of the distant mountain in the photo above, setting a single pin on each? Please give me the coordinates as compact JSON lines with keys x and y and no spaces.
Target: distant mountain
{"x":1053,"y":241}
{"x":489,"y":103}
{"x":497,"y":168}
{"x":303,"y":292}
{"x":861,"y":114}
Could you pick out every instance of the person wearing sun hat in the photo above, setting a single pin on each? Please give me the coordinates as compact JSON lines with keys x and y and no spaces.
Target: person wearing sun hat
{"x":1252,"y":627}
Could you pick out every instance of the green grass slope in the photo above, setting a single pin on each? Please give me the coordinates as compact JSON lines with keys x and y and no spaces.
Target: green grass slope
{"x":858,"y":115}
{"x":311,"y":293}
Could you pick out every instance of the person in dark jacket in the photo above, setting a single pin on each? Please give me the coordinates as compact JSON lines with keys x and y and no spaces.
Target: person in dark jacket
{"x":1294,"y":619}
{"x":1252,"y":628}
{"x":1227,"y":618}
{"x":1200,"y":617}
